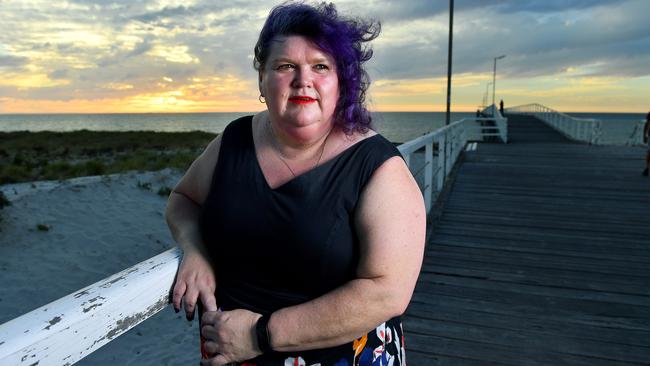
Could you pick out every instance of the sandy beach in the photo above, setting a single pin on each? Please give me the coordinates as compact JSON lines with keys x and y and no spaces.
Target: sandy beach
{"x":90,"y":228}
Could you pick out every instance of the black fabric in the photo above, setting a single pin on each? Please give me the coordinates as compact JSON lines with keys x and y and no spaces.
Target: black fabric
{"x":274,"y":248}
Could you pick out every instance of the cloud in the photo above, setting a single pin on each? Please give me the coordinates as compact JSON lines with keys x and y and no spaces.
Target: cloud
{"x":58,"y":74}
{"x":549,"y":6}
{"x":93,"y":49}
{"x":141,"y":48}
{"x":535,"y":44}
{"x":12,"y":62}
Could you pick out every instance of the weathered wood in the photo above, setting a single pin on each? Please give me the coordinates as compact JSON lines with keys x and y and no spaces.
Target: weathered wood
{"x":532,"y":275}
{"x":492,"y":314}
{"x":68,"y":329}
{"x":621,"y":317}
{"x":541,"y":257}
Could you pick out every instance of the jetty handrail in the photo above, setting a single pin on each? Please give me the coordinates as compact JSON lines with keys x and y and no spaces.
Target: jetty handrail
{"x":636,"y":137}
{"x":579,"y":129}
{"x":70,"y":328}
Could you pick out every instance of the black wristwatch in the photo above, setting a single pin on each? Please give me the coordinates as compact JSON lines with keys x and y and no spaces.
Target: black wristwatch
{"x":262,"y":331}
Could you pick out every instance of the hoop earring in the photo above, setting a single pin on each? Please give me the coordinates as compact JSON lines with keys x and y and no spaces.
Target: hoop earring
{"x":262,"y":99}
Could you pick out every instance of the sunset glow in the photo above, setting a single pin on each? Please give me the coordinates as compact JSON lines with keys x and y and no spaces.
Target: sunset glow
{"x":80,"y":57}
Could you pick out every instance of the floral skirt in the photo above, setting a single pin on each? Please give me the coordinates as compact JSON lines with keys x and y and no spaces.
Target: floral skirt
{"x":384,"y":346}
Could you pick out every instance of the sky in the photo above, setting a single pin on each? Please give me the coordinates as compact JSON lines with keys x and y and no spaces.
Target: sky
{"x":124,"y":56}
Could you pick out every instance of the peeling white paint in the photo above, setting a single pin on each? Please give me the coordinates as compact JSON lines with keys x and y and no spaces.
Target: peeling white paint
{"x":91,"y":317}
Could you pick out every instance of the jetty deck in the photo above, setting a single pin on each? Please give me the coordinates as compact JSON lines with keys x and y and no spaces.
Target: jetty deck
{"x":540,"y":256}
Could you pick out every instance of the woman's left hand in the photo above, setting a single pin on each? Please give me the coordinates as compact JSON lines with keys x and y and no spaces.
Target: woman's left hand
{"x":229,"y":336}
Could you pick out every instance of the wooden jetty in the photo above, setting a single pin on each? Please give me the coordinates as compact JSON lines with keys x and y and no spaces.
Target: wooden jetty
{"x":540,"y":256}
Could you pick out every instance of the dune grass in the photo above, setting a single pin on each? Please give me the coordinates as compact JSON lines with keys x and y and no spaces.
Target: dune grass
{"x":33,"y":156}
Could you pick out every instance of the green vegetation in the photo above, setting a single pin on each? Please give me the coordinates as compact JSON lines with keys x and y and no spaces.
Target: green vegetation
{"x":164,"y":191}
{"x":32,"y":156}
{"x":42,"y":227}
{"x":5,"y":202}
{"x":146,"y":186}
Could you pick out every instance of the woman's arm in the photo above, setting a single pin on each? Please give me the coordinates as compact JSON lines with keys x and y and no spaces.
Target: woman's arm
{"x":195,"y":278}
{"x":390,"y":223}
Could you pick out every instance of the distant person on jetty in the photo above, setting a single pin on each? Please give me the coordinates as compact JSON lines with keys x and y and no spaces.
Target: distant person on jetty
{"x":646,"y":140}
{"x":301,"y":224}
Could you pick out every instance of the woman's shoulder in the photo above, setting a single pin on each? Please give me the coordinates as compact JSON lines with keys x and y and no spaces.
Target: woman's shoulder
{"x":375,"y":142}
{"x":369,"y":139}
{"x":241,"y":123}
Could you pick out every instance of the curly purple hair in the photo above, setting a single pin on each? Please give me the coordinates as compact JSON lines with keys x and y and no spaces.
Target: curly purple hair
{"x":343,"y":38}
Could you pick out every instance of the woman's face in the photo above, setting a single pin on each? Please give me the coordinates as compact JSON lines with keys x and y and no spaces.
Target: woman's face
{"x":299,"y":83}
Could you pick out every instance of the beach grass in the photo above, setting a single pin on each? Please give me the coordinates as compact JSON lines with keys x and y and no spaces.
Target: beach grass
{"x":35,"y":156}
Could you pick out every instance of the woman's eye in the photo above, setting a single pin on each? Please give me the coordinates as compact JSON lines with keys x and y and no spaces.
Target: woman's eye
{"x":285,"y":67}
{"x":321,"y":67}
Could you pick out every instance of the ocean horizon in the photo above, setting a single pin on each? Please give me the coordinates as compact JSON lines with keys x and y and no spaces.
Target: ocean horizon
{"x":395,"y":126}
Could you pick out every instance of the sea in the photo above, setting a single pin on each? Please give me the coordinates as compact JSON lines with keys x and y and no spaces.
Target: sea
{"x":395,"y":126}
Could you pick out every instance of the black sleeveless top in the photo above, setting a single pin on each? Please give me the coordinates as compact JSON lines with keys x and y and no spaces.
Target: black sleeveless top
{"x":274,"y":248}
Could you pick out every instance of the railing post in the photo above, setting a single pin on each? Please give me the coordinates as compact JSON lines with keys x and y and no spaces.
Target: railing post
{"x":428,"y":175}
{"x":441,"y":162}
{"x":447,"y":152}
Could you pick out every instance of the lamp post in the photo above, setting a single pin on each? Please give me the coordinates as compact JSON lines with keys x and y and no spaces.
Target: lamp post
{"x":494,"y":77}
{"x":449,"y":54}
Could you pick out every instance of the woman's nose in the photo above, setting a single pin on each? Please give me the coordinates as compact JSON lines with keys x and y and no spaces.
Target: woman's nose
{"x":302,"y":79}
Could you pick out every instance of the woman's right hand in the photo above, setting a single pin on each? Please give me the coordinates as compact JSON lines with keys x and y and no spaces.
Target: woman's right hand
{"x":195,"y":280}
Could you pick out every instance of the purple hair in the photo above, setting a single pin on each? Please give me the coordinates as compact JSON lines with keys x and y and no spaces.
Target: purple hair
{"x":342,"y":38}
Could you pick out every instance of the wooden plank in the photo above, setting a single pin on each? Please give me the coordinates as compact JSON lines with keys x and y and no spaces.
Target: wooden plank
{"x":526,"y":354}
{"x":556,"y":341}
{"x":537,"y":276}
{"x":571,"y":268}
{"x":414,"y":357}
{"x":521,"y":232}
{"x":607,"y":249}
{"x":619,"y":317}
{"x":484,"y":313}
{"x":557,"y":290}
{"x":451,"y":231}
{"x":577,"y":255}
{"x":610,"y":228}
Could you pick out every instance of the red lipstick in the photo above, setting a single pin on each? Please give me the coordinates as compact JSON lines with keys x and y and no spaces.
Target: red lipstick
{"x":301,"y":99}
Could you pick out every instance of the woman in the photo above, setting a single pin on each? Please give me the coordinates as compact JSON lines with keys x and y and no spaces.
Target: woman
{"x":306,"y":224}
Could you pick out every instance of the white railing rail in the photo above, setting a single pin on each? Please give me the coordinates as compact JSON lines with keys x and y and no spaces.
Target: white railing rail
{"x":579,"y":129}
{"x":70,"y":328}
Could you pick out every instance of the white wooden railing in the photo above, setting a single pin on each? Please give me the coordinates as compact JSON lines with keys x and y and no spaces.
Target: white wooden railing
{"x":636,"y":137}
{"x":579,"y":129}
{"x":70,"y":328}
